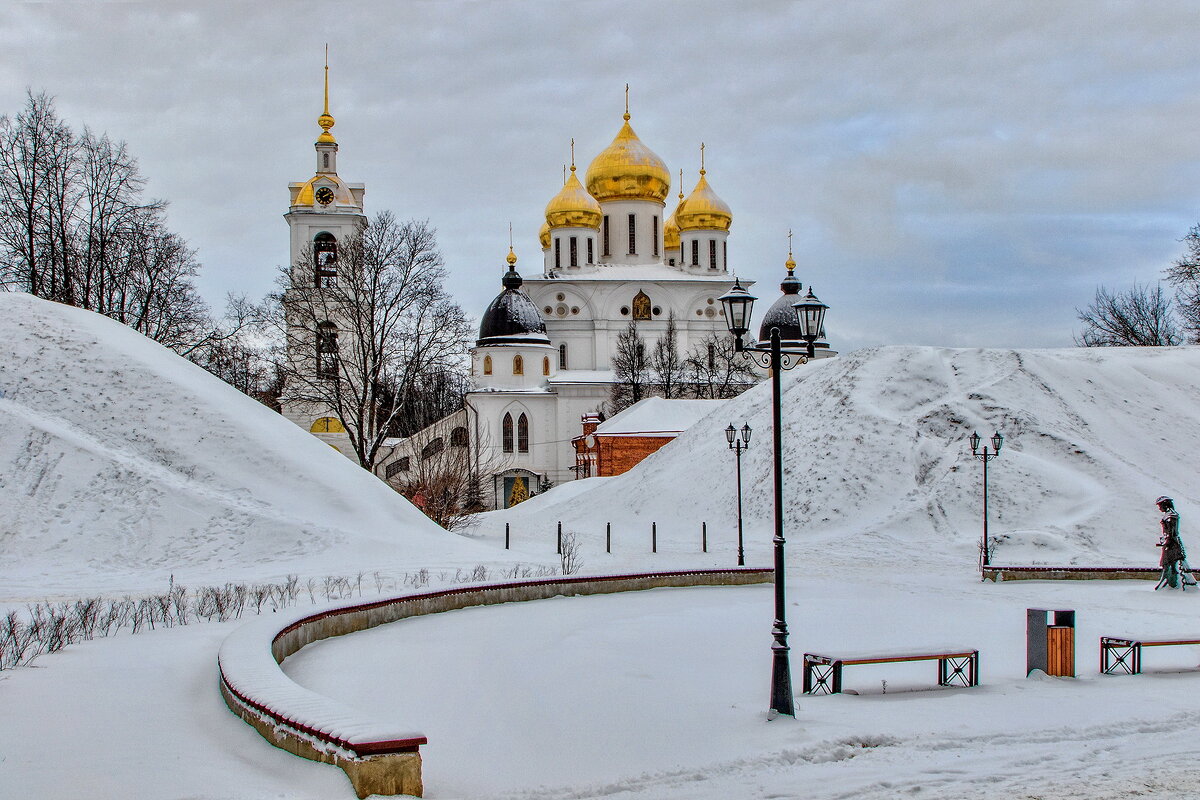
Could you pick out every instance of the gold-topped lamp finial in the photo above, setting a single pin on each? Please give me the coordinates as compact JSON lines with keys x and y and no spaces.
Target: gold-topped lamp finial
{"x":326,"y":119}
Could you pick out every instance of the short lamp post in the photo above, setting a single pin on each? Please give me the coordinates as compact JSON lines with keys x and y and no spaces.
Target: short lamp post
{"x":738,"y":443}
{"x":985,"y":456}
{"x":810,"y":315}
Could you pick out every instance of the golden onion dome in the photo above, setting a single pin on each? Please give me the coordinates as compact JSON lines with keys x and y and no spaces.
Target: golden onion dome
{"x":628,"y":170}
{"x":573,"y":207}
{"x":671,"y":226}
{"x":703,"y":210}
{"x":544,"y":236}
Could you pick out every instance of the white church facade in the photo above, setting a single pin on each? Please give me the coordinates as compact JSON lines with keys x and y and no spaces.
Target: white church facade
{"x":544,"y":355}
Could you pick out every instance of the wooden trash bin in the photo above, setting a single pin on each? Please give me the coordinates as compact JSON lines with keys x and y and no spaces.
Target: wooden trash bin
{"x":1050,"y":647}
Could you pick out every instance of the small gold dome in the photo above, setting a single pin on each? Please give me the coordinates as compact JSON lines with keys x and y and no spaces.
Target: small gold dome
{"x":573,"y":207}
{"x":703,"y":210}
{"x":628,"y":170}
{"x":511,"y":258}
{"x":326,"y":122}
{"x":544,"y":236}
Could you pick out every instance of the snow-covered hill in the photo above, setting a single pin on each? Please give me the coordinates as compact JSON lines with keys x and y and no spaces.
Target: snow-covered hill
{"x":878,"y":470}
{"x":122,"y":463}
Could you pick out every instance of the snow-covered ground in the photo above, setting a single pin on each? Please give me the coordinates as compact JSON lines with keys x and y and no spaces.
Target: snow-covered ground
{"x":121,"y":465}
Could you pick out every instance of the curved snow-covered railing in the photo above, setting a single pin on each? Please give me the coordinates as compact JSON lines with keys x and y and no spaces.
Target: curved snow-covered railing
{"x":377,"y":755}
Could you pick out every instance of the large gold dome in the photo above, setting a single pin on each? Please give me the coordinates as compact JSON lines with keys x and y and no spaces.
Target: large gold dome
{"x":703,"y":210}
{"x":544,"y":236}
{"x":628,"y":170}
{"x":573,"y":207}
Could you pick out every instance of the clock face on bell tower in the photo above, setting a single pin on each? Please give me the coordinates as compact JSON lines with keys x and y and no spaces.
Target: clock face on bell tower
{"x":324,"y":195}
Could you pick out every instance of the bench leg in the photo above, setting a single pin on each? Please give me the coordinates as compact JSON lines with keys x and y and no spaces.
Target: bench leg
{"x":963,"y":671}
{"x":837,"y":677}
{"x":822,"y":678}
{"x":1126,"y":658}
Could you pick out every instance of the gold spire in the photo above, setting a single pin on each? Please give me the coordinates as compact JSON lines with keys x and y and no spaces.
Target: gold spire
{"x":326,"y":119}
{"x":791,"y":262}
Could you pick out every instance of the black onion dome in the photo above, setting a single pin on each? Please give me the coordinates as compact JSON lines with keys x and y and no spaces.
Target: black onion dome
{"x":512,"y":318}
{"x":782,"y":314}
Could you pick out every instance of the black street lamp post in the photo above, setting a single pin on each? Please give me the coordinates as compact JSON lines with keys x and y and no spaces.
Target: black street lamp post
{"x":985,"y":456}
{"x":810,"y":315}
{"x":737,"y":444}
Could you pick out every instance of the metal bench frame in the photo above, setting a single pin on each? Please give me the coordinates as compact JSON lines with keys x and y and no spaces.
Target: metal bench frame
{"x":1124,"y":656}
{"x":823,"y":674}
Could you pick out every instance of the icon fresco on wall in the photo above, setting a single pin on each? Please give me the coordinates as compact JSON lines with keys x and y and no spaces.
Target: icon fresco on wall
{"x":641,"y":306}
{"x":516,"y":490}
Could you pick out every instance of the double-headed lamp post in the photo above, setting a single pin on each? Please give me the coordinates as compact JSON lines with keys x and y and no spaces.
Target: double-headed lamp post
{"x":985,"y":456}
{"x":737,"y":444}
{"x":810,"y":315}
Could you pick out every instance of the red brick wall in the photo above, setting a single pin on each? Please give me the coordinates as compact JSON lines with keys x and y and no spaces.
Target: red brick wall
{"x":622,"y":453}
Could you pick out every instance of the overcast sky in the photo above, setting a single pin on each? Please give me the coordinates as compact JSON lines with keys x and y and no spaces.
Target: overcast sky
{"x":956,"y":173}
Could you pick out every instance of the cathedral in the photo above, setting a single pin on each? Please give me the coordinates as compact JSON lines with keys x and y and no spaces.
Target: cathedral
{"x":543,"y":359}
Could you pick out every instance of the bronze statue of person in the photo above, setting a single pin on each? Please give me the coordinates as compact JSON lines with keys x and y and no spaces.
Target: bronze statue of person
{"x":1174,"y":559}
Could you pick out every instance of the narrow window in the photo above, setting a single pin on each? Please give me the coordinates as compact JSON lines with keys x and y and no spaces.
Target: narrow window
{"x":591,"y":247}
{"x":695,"y":252}
{"x":557,"y":252}
{"x":545,"y":365}
{"x":574,"y":252}
{"x":326,"y":155}
{"x":458,"y":437}
{"x":712,"y":253}
{"x":562,"y":356}
{"x":632,"y":235}
{"x":432,"y":449}
{"x":605,"y":251}
{"x":518,"y":365}
{"x":523,"y":434}
{"x":712,"y":358}
{"x":507,"y":434}
{"x":655,"y":239}
{"x":487,"y":365}
{"x":325,"y":256}
{"x":327,"y":351}
{"x":725,"y":255}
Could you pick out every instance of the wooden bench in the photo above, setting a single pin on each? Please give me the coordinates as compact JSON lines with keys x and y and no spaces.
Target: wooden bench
{"x":1125,"y":655}
{"x":823,"y":673}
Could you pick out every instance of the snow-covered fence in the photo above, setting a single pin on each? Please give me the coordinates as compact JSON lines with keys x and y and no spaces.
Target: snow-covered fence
{"x":379,"y":756}
{"x":1046,"y":572}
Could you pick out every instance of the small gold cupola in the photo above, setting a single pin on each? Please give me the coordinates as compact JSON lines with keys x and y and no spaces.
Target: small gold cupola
{"x":627,"y":169}
{"x":573,"y":207}
{"x":703,"y":209}
{"x":671,"y":226}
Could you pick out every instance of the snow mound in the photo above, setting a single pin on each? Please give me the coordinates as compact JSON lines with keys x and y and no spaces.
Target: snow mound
{"x":878,"y":473}
{"x":122,"y":464}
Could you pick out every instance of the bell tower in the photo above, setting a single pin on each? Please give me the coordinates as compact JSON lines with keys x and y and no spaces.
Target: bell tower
{"x":322,"y":213}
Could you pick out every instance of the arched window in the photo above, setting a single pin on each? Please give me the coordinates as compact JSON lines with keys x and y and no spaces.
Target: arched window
{"x":518,"y":365}
{"x":325,"y":256}
{"x":641,"y":306}
{"x":507,"y":433}
{"x":432,"y":449}
{"x":487,"y":365}
{"x":562,"y":356}
{"x":458,"y":437}
{"x":695,"y":252}
{"x":712,"y":253}
{"x":327,"y":351}
{"x":546,"y":365}
{"x":523,"y":434}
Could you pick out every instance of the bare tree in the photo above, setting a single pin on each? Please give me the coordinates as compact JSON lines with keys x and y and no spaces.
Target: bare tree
{"x":359,"y":343}
{"x":667,"y":366}
{"x":713,"y":370}
{"x":75,"y":229}
{"x":631,"y":371}
{"x":1184,"y":276}
{"x":1141,"y":316}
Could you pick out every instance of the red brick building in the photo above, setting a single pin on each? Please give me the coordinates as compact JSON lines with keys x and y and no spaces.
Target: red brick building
{"x":617,"y":445}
